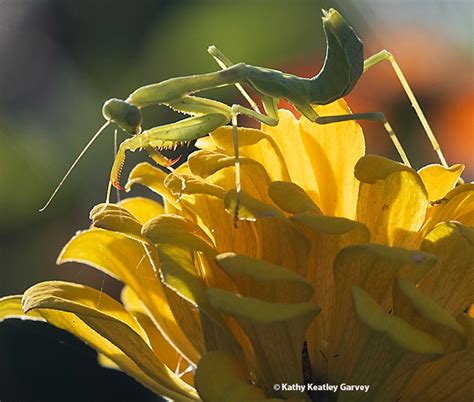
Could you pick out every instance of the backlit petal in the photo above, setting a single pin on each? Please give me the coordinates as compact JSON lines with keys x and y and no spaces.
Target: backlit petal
{"x":392,"y":201}
{"x":143,"y":209}
{"x":439,"y":180}
{"x":129,"y":261}
{"x":75,"y":309}
{"x":276,"y":331}
{"x":332,"y":151}
{"x":451,"y":282}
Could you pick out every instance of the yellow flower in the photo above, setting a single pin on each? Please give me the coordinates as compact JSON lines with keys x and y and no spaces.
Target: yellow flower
{"x":345,"y":269}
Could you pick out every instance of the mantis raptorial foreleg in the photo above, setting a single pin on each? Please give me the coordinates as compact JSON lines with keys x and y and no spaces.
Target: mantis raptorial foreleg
{"x":385,"y":55}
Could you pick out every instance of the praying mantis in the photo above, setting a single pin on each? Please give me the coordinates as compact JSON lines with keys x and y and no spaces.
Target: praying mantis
{"x":343,"y":66}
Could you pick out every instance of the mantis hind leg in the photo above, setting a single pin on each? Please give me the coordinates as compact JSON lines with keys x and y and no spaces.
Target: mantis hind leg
{"x":385,"y":55}
{"x":310,"y":114}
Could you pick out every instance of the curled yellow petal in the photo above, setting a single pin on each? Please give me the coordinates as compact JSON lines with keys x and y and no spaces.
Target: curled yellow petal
{"x":392,"y":201}
{"x":143,"y":209}
{"x":398,"y":330}
{"x":388,"y":352}
{"x":256,"y":145}
{"x":117,"y":219}
{"x":75,"y":309}
{"x":291,"y":198}
{"x":451,"y":281}
{"x":132,"y":263}
{"x":151,"y":177}
{"x":457,"y":205}
{"x":276,"y":331}
{"x":223,"y":377}
{"x":178,"y":231}
{"x":10,"y":307}
{"x":372,"y":267}
{"x":265,"y":281}
{"x":439,"y":180}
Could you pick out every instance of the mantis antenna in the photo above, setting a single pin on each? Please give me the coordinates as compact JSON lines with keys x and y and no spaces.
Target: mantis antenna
{"x":84,"y":150}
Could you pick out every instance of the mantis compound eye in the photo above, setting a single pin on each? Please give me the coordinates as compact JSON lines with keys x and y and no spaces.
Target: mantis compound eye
{"x":128,"y":117}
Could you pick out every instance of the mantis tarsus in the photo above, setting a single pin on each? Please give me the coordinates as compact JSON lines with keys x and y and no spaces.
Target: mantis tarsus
{"x":343,"y":66}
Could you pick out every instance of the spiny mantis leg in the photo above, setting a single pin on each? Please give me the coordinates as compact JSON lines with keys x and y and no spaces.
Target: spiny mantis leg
{"x":167,"y":135}
{"x":117,"y":191}
{"x":224,"y":63}
{"x":386,"y":55}
{"x":309,"y":113}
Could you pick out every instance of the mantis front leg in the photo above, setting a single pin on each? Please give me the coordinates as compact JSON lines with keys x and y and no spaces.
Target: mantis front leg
{"x":168,"y":135}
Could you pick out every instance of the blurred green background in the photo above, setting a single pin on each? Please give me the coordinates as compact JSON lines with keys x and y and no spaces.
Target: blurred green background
{"x":60,"y":60}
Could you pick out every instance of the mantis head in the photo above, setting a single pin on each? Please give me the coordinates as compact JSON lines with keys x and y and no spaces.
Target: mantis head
{"x":128,"y":117}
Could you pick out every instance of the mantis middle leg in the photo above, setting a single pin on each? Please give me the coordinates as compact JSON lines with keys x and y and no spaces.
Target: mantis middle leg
{"x":270,"y":118}
{"x":310,"y":114}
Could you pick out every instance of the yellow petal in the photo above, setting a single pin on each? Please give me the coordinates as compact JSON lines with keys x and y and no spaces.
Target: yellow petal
{"x":265,"y":281}
{"x":106,"y":362}
{"x":206,"y":163}
{"x":165,"y":352}
{"x":278,"y":239}
{"x":451,"y":281}
{"x":153,"y":178}
{"x":219,"y":170}
{"x":372,"y":267}
{"x":390,"y":351}
{"x":143,"y":209}
{"x":206,"y":143}
{"x":297,"y":158}
{"x":209,"y":213}
{"x":398,"y":330}
{"x":276,"y":331}
{"x":423,"y":313}
{"x":74,"y":308}
{"x":129,"y":261}
{"x":10,"y":307}
{"x":179,"y":231}
{"x":250,"y":208}
{"x":457,"y":205}
{"x":188,"y":184}
{"x":291,"y":198}
{"x":438,"y":180}
{"x":256,"y":145}
{"x":117,"y":219}
{"x":392,"y":201}
{"x":327,"y":236}
{"x":188,"y":300}
{"x":332,"y":151}
{"x":449,"y":378}
{"x":223,"y":377}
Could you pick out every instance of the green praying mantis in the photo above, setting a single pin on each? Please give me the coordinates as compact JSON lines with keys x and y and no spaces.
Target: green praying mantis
{"x":343,"y":66}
